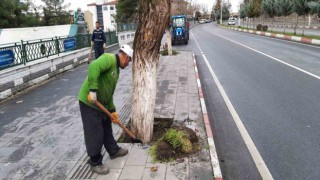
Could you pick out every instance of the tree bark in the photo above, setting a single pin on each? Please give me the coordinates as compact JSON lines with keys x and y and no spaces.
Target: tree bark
{"x":153,"y":19}
{"x":168,"y":36}
{"x":295,"y":26}
{"x":304,"y":24}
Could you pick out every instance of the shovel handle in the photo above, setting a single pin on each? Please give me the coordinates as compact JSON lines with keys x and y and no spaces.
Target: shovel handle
{"x":100,"y":106}
{"x":126,"y":130}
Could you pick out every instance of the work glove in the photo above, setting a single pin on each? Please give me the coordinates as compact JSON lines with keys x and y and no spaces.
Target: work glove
{"x":92,"y":97}
{"x":92,"y":43}
{"x":104,"y":46}
{"x":115,"y":118}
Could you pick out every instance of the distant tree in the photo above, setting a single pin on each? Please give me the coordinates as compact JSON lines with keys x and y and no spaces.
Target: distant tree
{"x":315,"y":7}
{"x":197,"y":15}
{"x":302,"y":8}
{"x":284,"y":8}
{"x":14,"y":13}
{"x":212,"y":16}
{"x":217,"y":10}
{"x":269,"y":7}
{"x":254,"y":9}
{"x":225,"y":12}
{"x":127,"y":11}
{"x":243,"y":10}
{"x":55,"y":12}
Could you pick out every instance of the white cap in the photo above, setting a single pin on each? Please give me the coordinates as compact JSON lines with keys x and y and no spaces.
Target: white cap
{"x":127,"y":49}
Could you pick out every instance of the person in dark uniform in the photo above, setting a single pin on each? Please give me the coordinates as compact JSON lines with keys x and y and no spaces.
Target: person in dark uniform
{"x":98,"y":41}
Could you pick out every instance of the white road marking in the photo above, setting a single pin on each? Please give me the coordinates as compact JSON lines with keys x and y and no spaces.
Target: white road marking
{"x":276,"y":59}
{"x":261,"y":166}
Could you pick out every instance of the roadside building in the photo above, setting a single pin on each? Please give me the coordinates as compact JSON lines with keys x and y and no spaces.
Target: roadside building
{"x":104,"y":12}
{"x":179,"y":7}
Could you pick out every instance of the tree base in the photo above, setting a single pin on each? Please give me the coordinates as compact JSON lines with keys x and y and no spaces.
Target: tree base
{"x":170,"y":141}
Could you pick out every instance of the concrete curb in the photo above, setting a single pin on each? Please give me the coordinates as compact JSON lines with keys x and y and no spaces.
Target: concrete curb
{"x":279,"y":36}
{"x":213,"y":153}
{"x":300,"y":27}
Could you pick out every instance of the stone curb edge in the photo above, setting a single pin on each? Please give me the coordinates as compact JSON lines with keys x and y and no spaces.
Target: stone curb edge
{"x":279,"y":36}
{"x":307,"y":27}
{"x":213,"y":153}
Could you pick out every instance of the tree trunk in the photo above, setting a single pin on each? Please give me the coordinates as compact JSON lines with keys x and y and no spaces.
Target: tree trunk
{"x":153,"y":19}
{"x":272,"y":24}
{"x":168,"y":35}
{"x":295,"y":26}
{"x":304,"y":24}
{"x":284,"y":25}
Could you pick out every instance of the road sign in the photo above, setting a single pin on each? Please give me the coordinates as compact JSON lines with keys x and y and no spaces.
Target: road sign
{"x":69,"y":44}
{"x":6,"y":57}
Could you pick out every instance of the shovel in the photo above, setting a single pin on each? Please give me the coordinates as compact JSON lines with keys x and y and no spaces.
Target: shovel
{"x":134,"y":139}
{"x":89,"y":57}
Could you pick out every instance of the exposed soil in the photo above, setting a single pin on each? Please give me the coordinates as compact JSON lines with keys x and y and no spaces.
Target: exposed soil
{"x":164,"y":150}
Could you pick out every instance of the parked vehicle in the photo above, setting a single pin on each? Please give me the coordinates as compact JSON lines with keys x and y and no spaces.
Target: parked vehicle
{"x":179,"y":29}
{"x":231,"y":21}
{"x":201,"y":21}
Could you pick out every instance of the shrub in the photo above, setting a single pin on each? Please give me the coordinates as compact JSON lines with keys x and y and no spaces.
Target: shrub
{"x":259,"y":27}
{"x":264,"y":28}
{"x":174,"y":137}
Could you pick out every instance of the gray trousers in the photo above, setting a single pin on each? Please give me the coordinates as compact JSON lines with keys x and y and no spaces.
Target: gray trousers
{"x":97,"y":132}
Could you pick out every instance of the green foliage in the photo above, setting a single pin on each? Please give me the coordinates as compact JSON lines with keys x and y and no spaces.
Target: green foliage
{"x":225,"y":12}
{"x":127,"y":11}
{"x":197,"y":15}
{"x":269,"y":7}
{"x":153,"y":152}
{"x":254,"y":8}
{"x":264,"y":28}
{"x":206,"y":146}
{"x":259,"y":27}
{"x":315,"y":7}
{"x":284,"y":7}
{"x":55,"y":13}
{"x":243,"y":10}
{"x":14,"y":13}
{"x":301,"y":7}
{"x":165,"y":52}
{"x":174,"y":137}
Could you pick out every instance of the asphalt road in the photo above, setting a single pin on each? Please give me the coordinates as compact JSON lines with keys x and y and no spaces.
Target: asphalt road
{"x":278,"y":103}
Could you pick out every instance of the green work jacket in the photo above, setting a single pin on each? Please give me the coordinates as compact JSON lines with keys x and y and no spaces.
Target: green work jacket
{"x":103,"y":74}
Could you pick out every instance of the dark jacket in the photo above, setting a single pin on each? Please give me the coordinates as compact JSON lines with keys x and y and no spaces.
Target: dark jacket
{"x":98,"y":37}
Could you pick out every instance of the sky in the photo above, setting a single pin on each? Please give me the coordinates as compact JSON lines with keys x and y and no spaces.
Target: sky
{"x":209,"y":3}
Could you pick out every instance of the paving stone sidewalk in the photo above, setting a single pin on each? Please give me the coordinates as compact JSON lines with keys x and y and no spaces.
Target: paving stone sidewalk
{"x":52,"y":153}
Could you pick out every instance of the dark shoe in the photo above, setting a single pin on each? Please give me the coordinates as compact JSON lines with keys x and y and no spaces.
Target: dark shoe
{"x":100,"y":169}
{"x":120,"y":153}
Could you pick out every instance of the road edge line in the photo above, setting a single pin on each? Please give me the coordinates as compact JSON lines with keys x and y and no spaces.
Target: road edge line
{"x":213,"y":153}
